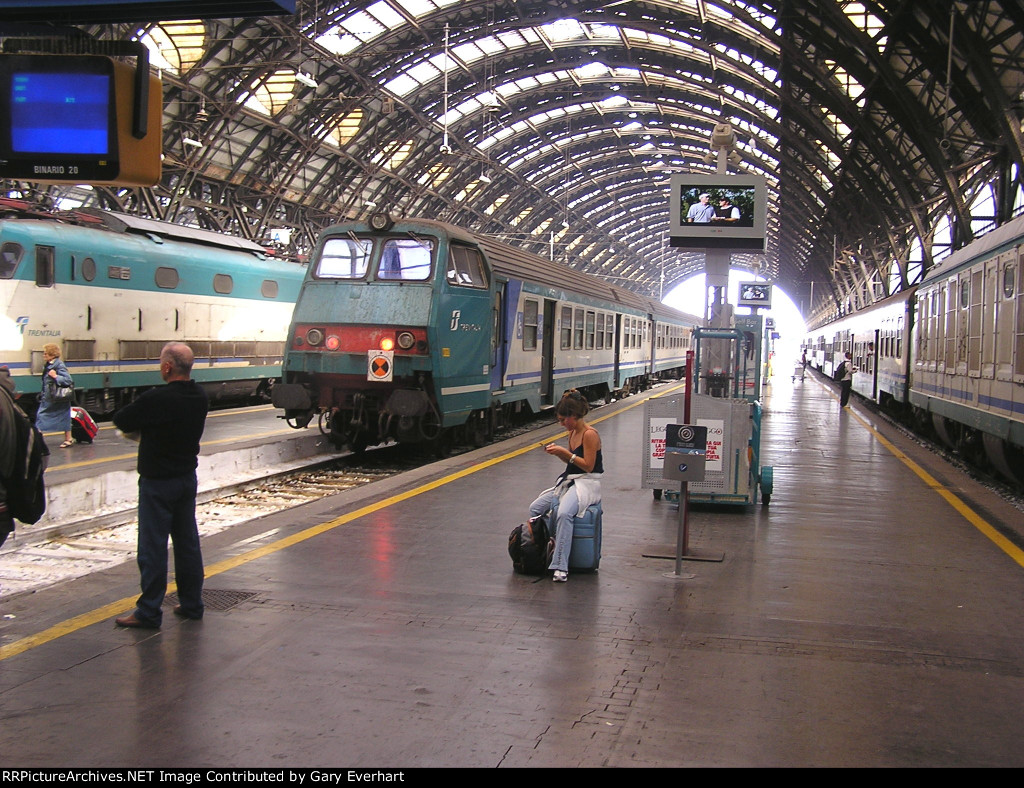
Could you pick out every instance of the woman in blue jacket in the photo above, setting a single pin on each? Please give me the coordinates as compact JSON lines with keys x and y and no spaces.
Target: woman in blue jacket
{"x":53,"y":414}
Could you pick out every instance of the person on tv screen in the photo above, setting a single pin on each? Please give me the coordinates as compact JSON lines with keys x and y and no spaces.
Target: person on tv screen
{"x":701,"y":212}
{"x":726,"y":212}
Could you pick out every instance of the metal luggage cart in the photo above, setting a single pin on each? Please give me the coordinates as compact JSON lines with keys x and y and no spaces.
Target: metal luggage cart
{"x":733,"y":471}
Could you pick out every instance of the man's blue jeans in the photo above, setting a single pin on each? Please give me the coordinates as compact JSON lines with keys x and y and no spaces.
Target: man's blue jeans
{"x":167,"y":507}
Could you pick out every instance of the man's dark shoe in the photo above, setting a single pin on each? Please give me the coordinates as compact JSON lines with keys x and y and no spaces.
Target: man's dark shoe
{"x":133,"y":623}
{"x":178,"y":611}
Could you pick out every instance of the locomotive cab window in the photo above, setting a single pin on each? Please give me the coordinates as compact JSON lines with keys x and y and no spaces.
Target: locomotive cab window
{"x":405,"y":260}
{"x":10,"y":256}
{"x":344,"y":258}
{"x":466,"y":267}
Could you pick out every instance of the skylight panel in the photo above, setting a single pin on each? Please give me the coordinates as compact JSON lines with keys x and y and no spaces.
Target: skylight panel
{"x":593,"y":71}
{"x":363,"y":26}
{"x":402,"y":85}
{"x":468,"y":53}
{"x":417,"y":8}
{"x":491,"y":45}
{"x":563,"y":30}
{"x":388,"y":16}
{"x":339,"y":43}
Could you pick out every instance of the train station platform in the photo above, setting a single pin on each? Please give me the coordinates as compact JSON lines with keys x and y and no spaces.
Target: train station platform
{"x":869,"y":616}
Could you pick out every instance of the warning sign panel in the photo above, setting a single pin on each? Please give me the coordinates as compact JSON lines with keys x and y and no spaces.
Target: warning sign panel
{"x":381,"y":366}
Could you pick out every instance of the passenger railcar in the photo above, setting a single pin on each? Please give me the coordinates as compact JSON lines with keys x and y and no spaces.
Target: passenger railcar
{"x":110,"y":290}
{"x":412,"y":330}
{"x":875,"y":337}
{"x":958,"y":341}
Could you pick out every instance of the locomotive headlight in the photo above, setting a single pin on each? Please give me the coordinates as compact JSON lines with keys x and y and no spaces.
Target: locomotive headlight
{"x":314,"y":336}
{"x":387,"y":343}
{"x":333,"y":342}
{"x":406,"y":340}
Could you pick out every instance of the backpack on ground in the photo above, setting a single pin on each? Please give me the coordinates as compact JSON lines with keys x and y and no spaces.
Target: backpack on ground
{"x":530,"y":546}
{"x":26,"y":494}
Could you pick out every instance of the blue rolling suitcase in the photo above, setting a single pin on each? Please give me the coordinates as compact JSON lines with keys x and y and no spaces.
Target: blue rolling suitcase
{"x":585,"y":554}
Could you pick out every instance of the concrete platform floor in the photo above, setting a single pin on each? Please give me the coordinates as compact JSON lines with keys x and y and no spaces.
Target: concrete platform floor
{"x":870,"y":616}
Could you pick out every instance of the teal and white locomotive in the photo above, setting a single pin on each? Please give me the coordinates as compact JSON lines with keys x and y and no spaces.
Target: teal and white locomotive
{"x":111,"y":289}
{"x":414,"y":331}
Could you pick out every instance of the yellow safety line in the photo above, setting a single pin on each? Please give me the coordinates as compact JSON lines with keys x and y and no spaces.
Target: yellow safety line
{"x":105,"y":612}
{"x":953,"y":500}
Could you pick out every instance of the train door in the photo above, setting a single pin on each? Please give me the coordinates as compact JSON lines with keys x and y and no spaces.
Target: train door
{"x":500,"y":335}
{"x":464,"y":324}
{"x":872,"y":357}
{"x":990,"y":306}
{"x":547,"y":361}
{"x":618,"y":350}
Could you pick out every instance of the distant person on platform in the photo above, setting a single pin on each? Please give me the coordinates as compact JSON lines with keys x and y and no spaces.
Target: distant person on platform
{"x":168,"y":422}
{"x":726,"y":212}
{"x":844,"y":374}
{"x":701,"y":212}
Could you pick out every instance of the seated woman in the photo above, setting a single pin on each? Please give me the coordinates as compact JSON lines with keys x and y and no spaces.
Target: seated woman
{"x":579,"y":486}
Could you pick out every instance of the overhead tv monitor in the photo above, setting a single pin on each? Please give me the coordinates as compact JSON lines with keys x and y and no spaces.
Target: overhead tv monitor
{"x":718,"y":211}
{"x":70,"y":118}
{"x":755,"y":294}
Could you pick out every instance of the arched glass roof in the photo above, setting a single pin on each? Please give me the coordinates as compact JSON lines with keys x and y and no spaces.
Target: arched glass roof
{"x":889,"y":132}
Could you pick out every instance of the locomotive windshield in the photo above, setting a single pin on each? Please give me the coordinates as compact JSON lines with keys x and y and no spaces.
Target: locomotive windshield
{"x":344,"y":258}
{"x":10,"y":256}
{"x":401,"y":259}
{"x":405,"y":259}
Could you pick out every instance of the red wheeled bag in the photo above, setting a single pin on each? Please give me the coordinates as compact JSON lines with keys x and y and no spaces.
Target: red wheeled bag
{"x":83,"y":428}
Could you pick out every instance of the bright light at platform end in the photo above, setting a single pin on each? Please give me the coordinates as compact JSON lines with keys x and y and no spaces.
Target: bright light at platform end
{"x":789,"y":323}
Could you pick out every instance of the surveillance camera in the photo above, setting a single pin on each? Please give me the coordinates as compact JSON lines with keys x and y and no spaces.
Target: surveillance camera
{"x":446,"y":150}
{"x":722,"y":136}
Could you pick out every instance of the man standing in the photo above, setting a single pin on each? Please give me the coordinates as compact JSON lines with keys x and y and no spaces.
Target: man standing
{"x":726,"y":213}
{"x":701,"y":212}
{"x":169,"y":421}
{"x":7,"y":448}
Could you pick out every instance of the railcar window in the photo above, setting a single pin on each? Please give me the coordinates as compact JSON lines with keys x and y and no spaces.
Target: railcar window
{"x":530,"y":325}
{"x":577,"y":334}
{"x":344,"y":258}
{"x":609,"y":332}
{"x":600,"y":330}
{"x":269,"y":288}
{"x":167,"y":278}
{"x":223,"y":284}
{"x":10,"y":255}
{"x":406,"y":260}
{"x":44,"y":266}
{"x":1008,"y":281}
{"x":565,"y":339}
{"x":466,"y":267}
{"x":590,"y":330}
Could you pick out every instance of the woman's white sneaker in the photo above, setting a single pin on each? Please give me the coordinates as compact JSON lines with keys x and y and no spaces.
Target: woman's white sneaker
{"x":560,"y":576}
